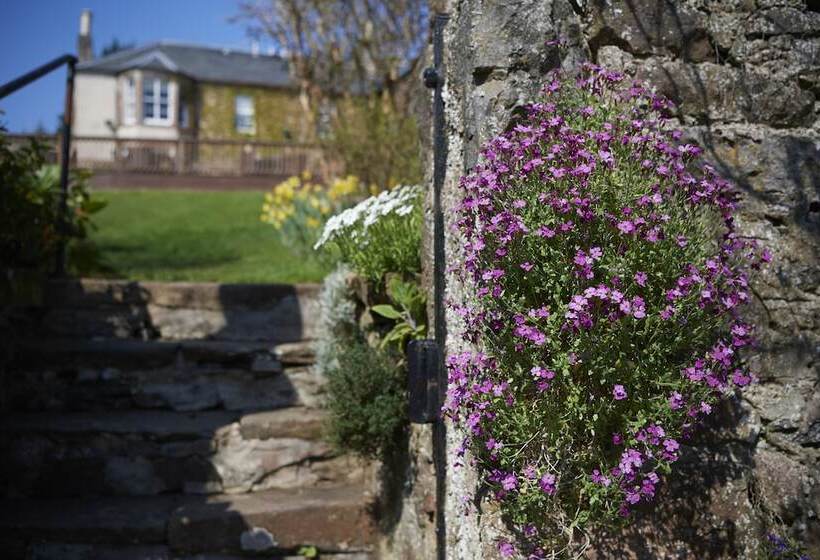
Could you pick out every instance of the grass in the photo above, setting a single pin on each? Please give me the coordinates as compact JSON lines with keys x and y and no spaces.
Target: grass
{"x":193,"y":236}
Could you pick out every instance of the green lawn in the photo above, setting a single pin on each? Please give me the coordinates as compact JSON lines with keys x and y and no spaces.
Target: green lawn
{"x":195,"y":236}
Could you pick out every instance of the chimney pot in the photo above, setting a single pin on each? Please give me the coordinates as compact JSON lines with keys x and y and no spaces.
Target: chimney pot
{"x":85,"y":50}
{"x":85,"y":23}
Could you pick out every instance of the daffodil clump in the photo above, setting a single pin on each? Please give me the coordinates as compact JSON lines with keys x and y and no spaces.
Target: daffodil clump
{"x":298,"y":207}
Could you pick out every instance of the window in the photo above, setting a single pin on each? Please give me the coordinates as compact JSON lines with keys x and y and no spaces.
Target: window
{"x":155,"y":101}
{"x":183,"y":115}
{"x":245,"y":118}
{"x":129,"y":102}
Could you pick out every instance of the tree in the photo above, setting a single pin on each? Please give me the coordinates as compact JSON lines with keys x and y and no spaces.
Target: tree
{"x":340,"y":47}
{"x":357,"y":64}
{"x":115,"y":46}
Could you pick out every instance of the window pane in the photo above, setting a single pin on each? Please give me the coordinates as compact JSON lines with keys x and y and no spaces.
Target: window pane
{"x":244,"y":113}
{"x":148,"y":99}
{"x":163,"y":110}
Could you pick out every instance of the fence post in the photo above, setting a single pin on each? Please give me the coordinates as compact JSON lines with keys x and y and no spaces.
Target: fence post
{"x":65,"y":160}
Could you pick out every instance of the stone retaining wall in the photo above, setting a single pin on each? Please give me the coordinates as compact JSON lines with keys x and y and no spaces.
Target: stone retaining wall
{"x":745,"y":75}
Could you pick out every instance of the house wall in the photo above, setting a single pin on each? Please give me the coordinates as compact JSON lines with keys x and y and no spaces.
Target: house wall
{"x":95,"y":102}
{"x":141,"y":130}
{"x":276,"y":110}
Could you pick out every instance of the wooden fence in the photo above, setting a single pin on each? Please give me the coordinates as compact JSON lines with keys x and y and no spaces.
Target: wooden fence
{"x":189,"y":157}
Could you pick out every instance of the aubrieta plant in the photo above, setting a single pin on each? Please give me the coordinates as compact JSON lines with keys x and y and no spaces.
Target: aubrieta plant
{"x":609,"y":281}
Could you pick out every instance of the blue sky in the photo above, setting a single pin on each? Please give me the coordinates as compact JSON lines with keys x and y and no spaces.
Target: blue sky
{"x":33,"y":32}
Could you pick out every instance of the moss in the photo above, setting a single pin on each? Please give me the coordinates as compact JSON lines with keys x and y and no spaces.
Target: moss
{"x":279,"y":114}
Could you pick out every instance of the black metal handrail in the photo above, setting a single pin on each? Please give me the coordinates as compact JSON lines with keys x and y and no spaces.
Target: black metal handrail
{"x":7,"y":89}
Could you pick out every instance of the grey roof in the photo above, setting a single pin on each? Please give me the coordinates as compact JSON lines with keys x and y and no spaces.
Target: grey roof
{"x":205,"y":64}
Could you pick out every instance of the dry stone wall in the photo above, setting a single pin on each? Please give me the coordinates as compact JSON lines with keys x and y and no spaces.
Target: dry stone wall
{"x":745,"y":76}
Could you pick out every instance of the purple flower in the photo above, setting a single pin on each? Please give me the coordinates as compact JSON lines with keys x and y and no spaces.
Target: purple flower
{"x":547,"y":484}
{"x":545,"y":232}
{"x":671,"y":445}
{"x":640,"y":278}
{"x":619,"y":392}
{"x":740,"y":379}
{"x":626,"y":227}
{"x":509,"y":482}
{"x":542,"y":373}
{"x":675,"y":400}
{"x":617,"y":439}
{"x":598,"y":478}
{"x":506,"y":549}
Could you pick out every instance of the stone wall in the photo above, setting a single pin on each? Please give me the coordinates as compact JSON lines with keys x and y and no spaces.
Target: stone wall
{"x":745,"y":75}
{"x":279,"y":114}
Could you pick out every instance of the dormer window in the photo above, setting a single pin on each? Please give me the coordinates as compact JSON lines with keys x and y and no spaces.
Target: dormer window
{"x":155,"y":102}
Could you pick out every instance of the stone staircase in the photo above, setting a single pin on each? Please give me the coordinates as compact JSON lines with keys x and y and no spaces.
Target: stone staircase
{"x":148,"y":421}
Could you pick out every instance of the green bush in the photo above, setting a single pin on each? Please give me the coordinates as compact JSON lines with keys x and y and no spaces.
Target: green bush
{"x":29,"y":206}
{"x":379,"y":235}
{"x":609,"y":285}
{"x":375,"y":143}
{"x":367,"y":405}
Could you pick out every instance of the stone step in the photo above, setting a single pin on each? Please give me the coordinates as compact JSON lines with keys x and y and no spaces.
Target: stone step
{"x":170,"y":388}
{"x":136,"y":354}
{"x":63,"y":551}
{"x":138,"y":453}
{"x":178,"y":310}
{"x":276,"y":521}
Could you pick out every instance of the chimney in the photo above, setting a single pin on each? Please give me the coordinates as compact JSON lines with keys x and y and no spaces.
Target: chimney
{"x":85,"y":51}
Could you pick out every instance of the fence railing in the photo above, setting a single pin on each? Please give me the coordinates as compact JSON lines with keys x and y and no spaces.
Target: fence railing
{"x":205,"y":157}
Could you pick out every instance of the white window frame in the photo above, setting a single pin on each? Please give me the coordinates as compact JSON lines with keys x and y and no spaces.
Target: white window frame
{"x":129,"y":101}
{"x":244,"y":108}
{"x":154,"y":85}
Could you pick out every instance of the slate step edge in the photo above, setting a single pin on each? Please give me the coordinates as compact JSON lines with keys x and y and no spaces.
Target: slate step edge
{"x":92,"y":293}
{"x":281,"y":423}
{"x":332,"y":519}
{"x":112,"y":352}
{"x":63,"y":551}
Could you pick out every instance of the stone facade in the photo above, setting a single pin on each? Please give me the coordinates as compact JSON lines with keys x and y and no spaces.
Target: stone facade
{"x":745,"y":77}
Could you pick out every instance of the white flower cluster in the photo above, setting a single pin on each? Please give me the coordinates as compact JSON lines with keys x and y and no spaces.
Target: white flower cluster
{"x":400,"y":201}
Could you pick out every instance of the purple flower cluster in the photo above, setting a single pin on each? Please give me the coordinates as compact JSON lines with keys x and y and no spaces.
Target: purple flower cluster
{"x":604,"y":258}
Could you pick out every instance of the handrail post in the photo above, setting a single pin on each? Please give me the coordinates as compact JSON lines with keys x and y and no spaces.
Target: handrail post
{"x":63,"y":222}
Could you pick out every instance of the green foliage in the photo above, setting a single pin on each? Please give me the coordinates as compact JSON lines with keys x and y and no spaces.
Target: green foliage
{"x":29,"y":206}
{"x":408,"y":311}
{"x":367,"y":403}
{"x":381,"y":234}
{"x":308,"y":552}
{"x":173,"y":235}
{"x":376,"y":144}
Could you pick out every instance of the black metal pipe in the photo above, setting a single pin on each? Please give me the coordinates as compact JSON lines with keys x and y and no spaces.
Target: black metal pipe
{"x":61,"y":264}
{"x":25,"y":79}
{"x":439,"y":170}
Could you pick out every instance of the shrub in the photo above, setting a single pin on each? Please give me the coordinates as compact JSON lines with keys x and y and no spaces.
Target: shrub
{"x":337,"y":317}
{"x":609,"y":279}
{"x":367,"y":405}
{"x":29,"y":206}
{"x":376,"y":143}
{"x":379,"y":235}
{"x":298,"y":207}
